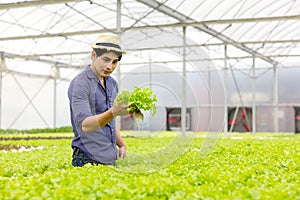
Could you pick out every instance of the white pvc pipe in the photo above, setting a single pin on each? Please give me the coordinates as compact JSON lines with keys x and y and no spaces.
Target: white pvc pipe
{"x":275,"y":105}
{"x":225,"y":93}
{"x":183,"y":90}
{"x":253,"y":98}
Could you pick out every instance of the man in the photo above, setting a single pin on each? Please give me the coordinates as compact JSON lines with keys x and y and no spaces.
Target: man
{"x":91,"y":95}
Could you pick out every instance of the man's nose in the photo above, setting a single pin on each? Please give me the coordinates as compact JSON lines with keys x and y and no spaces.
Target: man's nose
{"x":109,"y":65}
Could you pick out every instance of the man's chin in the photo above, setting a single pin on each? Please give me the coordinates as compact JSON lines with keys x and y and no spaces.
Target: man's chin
{"x":106,"y":74}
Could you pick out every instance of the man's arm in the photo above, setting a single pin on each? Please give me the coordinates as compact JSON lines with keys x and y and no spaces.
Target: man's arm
{"x":96,"y":122}
{"x":121,"y":144}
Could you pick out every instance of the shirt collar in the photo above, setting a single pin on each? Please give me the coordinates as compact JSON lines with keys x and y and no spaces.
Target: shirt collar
{"x":90,"y":73}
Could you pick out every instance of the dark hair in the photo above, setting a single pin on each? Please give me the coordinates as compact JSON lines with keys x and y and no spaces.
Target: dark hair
{"x":100,"y":52}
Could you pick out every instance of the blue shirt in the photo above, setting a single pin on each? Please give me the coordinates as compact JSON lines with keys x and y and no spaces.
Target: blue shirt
{"x":87,"y":98}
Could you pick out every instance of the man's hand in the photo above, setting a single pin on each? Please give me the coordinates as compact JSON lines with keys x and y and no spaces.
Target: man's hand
{"x":120,"y":109}
{"x":122,"y":151}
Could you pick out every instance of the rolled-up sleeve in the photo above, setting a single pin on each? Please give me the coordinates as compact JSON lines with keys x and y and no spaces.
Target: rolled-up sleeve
{"x":80,"y":101}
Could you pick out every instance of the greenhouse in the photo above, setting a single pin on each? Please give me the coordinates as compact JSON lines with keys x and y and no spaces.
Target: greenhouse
{"x":221,"y":70}
{"x":233,"y":55}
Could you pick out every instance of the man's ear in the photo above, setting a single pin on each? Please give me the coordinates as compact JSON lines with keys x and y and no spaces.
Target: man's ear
{"x":94,"y":55}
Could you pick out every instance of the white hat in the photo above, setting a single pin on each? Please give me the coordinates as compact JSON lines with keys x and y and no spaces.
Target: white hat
{"x":108,"y":41}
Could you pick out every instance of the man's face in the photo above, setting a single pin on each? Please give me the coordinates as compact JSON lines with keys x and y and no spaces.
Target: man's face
{"x":105,"y":64}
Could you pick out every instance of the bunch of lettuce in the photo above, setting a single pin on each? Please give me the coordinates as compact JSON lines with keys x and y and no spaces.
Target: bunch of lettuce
{"x":139,"y":99}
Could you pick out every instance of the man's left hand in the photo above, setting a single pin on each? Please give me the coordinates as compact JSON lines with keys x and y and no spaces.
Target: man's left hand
{"x":122,"y":152}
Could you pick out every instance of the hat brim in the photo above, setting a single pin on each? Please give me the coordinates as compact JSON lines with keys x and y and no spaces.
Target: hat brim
{"x":109,"y":48}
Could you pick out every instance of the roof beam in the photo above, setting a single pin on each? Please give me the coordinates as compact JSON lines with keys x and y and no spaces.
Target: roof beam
{"x":174,"y":25}
{"x":23,"y":4}
{"x":183,"y":18}
{"x":27,"y":56}
{"x":38,"y":59}
{"x":246,"y":20}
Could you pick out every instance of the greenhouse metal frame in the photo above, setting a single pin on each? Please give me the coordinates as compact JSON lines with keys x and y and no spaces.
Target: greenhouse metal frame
{"x":221,"y":36}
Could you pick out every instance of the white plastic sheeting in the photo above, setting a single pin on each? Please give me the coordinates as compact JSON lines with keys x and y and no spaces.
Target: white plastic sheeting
{"x":51,"y":40}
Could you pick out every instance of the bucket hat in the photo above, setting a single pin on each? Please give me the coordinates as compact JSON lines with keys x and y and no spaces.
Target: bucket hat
{"x":108,"y":41}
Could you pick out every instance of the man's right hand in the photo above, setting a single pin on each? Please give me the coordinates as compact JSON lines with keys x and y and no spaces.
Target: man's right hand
{"x":120,"y":109}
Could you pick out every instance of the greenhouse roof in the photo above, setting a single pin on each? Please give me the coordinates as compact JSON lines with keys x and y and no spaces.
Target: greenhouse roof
{"x":60,"y":33}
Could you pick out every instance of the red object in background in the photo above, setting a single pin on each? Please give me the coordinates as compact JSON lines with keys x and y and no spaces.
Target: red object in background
{"x":233,"y":122}
{"x":242,"y":120}
{"x":243,"y":113}
{"x":172,"y":119}
{"x":298,"y":117}
{"x":246,"y":127}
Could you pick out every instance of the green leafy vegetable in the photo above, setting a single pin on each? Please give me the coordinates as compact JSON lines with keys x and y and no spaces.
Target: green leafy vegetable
{"x":239,"y":166}
{"x":139,"y":99}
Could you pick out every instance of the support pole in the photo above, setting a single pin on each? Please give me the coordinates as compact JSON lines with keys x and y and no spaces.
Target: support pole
{"x":253,"y":97}
{"x":2,"y":67}
{"x":56,"y":76}
{"x":118,"y":28}
{"x":150,"y":85}
{"x":225,"y":93}
{"x":118,"y":71}
{"x":54,"y":102}
{"x":275,"y":104}
{"x":183,"y":89}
